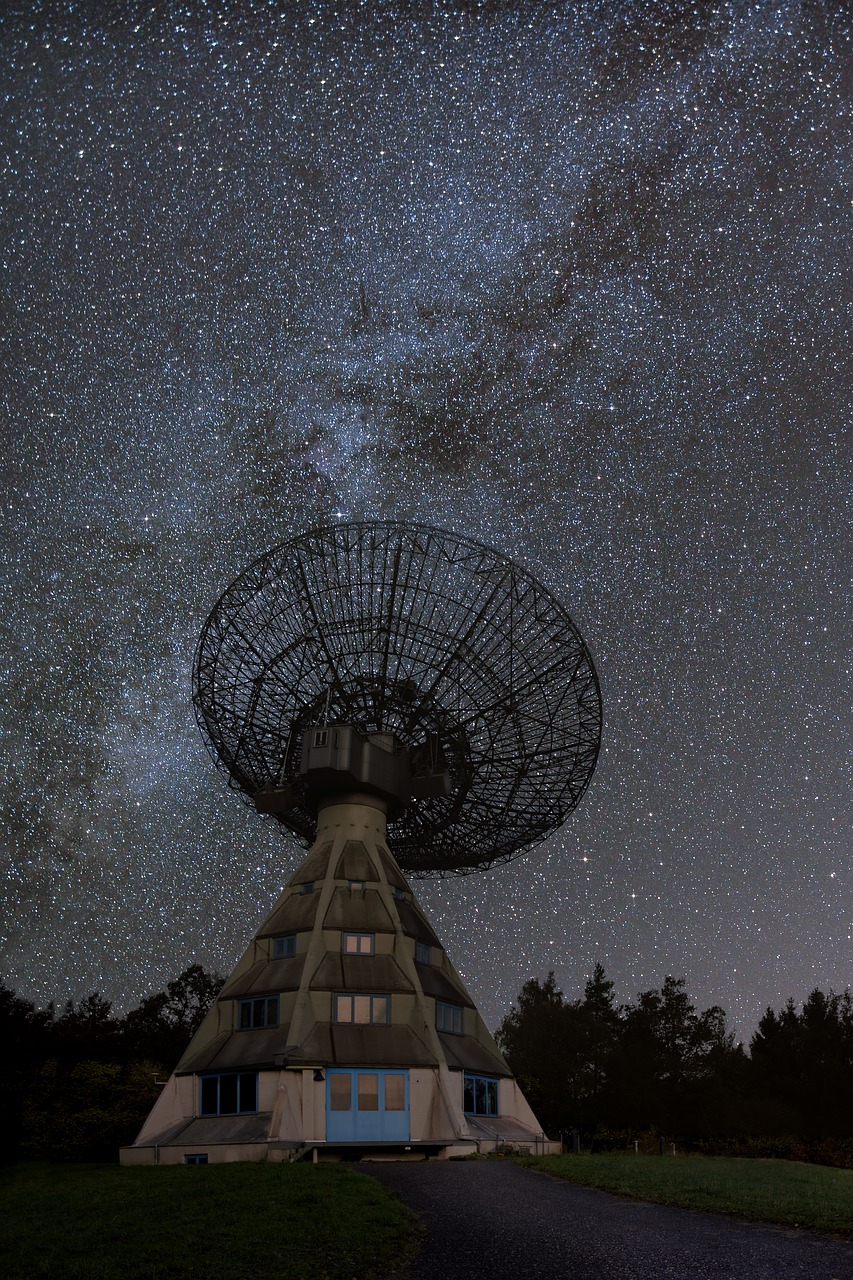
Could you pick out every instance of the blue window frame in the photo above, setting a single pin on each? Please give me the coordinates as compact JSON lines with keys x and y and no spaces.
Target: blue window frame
{"x":422,"y":955}
{"x":200,"y":1158}
{"x":262,"y":1012}
{"x":362,"y":1009}
{"x":448,"y":1017}
{"x":284,"y":946}
{"x":232,"y":1093}
{"x":358,"y":944}
{"x":480,"y":1095}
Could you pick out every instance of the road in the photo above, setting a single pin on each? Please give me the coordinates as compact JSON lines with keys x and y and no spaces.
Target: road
{"x":492,"y":1220}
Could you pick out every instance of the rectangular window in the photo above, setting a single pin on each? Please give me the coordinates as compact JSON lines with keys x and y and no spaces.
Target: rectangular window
{"x":229,"y":1094}
{"x":448,"y":1017}
{"x":368,"y":1091}
{"x":356,"y":886}
{"x":400,"y":894}
{"x":228,"y":1090}
{"x":361,"y":1009}
{"x":480,"y":1095}
{"x":308,"y":887}
{"x":284,"y":946}
{"x":340,"y":1092}
{"x":321,"y":738}
{"x":422,"y":953}
{"x":259,"y":1013}
{"x":358,"y":944}
{"x":201,"y":1158}
{"x":395,"y":1091}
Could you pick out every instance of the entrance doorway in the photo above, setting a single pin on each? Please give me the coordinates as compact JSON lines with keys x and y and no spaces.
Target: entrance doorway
{"x":367,"y":1106}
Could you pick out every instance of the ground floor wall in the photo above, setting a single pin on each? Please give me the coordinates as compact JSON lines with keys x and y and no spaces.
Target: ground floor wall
{"x":283,"y":1112}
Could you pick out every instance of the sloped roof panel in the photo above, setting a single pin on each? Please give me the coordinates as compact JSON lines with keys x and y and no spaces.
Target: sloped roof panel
{"x":206,"y":1131}
{"x":314,"y":867}
{"x":360,"y":910}
{"x":373,"y":973}
{"x":414,"y":923}
{"x":354,"y":863}
{"x":316,"y":1047}
{"x":239,"y":1051}
{"x":501,"y":1127}
{"x":296,"y":913}
{"x":468,"y":1054}
{"x":268,"y":977}
{"x":329,"y":974}
{"x":379,"y":1047}
{"x":392,"y":872}
{"x":435,"y":982}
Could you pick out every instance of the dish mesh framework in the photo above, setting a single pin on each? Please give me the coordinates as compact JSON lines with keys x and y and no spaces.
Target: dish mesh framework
{"x":415,"y":631}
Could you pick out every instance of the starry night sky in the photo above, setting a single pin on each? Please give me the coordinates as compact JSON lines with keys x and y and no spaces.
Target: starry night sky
{"x":564,"y":278}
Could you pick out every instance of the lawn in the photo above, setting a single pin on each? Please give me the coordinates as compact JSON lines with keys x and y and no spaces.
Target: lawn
{"x":780,"y":1191}
{"x":203,"y":1222}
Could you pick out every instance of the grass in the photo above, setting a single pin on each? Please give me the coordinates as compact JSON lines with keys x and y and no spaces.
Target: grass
{"x":203,"y":1222}
{"x":784,"y":1192}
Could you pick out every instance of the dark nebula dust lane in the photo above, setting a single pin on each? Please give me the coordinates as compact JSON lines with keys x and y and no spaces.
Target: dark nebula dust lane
{"x":565,"y":279}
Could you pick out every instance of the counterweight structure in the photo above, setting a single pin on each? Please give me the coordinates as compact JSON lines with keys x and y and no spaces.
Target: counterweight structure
{"x":411,"y":702}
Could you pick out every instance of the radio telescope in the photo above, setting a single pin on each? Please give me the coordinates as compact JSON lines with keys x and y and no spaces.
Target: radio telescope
{"x":411,"y":631}
{"x":403,"y":700}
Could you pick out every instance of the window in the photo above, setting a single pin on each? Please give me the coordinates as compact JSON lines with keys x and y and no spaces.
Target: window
{"x":357,"y":944}
{"x":356,"y":886}
{"x":422,"y":952}
{"x":308,"y":887}
{"x":321,"y":738}
{"x":361,"y":1009}
{"x":201,"y":1158}
{"x":259,"y":1013}
{"x":231,"y":1094}
{"x":284,"y":946}
{"x":395,"y":1091}
{"x":448,"y":1017}
{"x":480,"y":1095}
{"x":368,"y":1091}
{"x":340,"y":1091}
{"x":400,"y":894}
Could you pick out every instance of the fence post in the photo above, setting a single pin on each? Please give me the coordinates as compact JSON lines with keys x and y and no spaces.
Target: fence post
{"x":661,"y":1145}
{"x":576,"y":1142}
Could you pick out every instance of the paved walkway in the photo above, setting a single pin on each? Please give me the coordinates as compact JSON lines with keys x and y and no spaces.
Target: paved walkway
{"x":492,"y":1220}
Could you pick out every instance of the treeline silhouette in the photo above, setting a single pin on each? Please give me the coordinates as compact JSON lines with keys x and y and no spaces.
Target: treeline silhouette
{"x":77,"y":1085}
{"x":621,"y":1074}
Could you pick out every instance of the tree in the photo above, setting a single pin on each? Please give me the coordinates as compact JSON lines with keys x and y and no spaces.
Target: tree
{"x":668,"y":1054}
{"x":163,"y":1024}
{"x":77,"y":1086}
{"x":25,"y":1034}
{"x":85,"y":1030}
{"x":802,"y":1067}
{"x":560,"y":1050}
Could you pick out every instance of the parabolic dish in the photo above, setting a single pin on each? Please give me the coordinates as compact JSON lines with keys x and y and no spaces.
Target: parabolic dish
{"x":414,"y":631}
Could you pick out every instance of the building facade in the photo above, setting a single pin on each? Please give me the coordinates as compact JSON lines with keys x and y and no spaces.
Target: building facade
{"x":344,"y":1030}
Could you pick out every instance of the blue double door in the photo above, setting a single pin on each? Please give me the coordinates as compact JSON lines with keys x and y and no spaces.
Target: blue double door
{"x":368,"y":1105}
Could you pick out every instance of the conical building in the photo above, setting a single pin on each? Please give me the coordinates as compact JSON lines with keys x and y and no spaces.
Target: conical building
{"x":356,"y":681}
{"x":344,"y":1028}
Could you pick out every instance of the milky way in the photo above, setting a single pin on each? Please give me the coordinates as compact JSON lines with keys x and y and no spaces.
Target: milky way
{"x":566,"y":279}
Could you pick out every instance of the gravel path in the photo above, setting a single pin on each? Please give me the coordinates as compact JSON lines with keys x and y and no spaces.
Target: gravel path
{"x":496,"y":1221}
